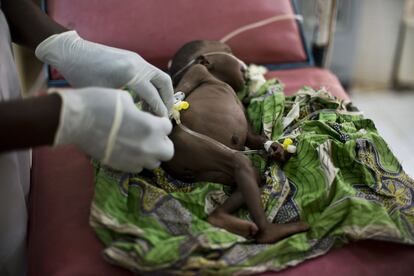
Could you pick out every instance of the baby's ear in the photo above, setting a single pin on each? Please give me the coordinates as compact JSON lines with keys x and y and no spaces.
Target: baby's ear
{"x":203,"y":61}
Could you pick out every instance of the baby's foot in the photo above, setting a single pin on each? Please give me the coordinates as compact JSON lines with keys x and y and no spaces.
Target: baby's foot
{"x":275,"y":232}
{"x":233,"y":224}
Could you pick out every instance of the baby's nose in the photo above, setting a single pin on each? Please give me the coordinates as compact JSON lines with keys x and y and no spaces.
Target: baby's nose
{"x":243,"y":68}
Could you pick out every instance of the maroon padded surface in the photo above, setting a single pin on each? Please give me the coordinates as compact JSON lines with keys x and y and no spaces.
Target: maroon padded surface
{"x":364,"y":258}
{"x":156,"y":29}
{"x":60,"y":241}
{"x":314,"y":77}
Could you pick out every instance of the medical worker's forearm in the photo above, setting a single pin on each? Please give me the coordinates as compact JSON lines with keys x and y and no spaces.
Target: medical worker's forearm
{"x":28,"y":24}
{"x":29,"y":123}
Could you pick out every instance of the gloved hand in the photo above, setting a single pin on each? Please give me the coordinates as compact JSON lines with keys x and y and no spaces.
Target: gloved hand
{"x":106,"y":124}
{"x":84,"y":63}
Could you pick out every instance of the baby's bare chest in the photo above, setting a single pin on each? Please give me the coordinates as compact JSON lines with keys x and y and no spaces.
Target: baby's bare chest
{"x":215,"y":111}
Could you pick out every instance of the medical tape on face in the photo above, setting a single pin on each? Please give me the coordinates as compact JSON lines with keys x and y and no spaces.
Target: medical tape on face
{"x":114,"y":129}
{"x":191,"y":62}
{"x":227,"y":54}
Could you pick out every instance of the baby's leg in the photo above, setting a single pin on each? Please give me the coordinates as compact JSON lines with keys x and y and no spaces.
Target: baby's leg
{"x":268,"y":232}
{"x":242,"y":171}
{"x":209,"y":162}
{"x":196,"y":160}
{"x":221,"y":217}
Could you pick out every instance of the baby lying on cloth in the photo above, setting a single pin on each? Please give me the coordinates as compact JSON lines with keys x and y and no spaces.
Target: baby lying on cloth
{"x":208,"y":74}
{"x":343,"y":180}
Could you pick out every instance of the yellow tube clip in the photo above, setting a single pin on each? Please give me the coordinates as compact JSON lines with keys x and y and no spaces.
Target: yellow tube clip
{"x":287,"y":142}
{"x":184,"y":105}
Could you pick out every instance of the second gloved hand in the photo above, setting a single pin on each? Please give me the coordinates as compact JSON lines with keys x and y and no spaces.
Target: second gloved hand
{"x":84,"y":63}
{"x":106,"y":124}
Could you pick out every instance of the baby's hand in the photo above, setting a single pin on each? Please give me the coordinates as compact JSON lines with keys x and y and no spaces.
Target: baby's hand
{"x":277,"y":152}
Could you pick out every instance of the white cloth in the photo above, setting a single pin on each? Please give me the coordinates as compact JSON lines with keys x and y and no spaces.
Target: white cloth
{"x":14,"y":173}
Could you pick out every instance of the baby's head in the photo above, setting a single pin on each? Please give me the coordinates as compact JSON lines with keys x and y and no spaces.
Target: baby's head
{"x":216,"y":56}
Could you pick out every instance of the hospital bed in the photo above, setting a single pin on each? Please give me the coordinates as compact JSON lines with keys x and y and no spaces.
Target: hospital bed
{"x":60,"y":240}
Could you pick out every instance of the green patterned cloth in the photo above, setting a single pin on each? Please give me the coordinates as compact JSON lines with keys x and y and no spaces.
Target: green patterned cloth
{"x":343,"y":180}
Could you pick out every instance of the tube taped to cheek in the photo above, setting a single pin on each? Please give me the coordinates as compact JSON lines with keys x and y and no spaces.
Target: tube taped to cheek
{"x":114,"y":129}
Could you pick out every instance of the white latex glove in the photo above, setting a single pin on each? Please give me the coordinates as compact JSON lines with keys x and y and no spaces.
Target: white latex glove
{"x":106,"y":124}
{"x":84,"y":63}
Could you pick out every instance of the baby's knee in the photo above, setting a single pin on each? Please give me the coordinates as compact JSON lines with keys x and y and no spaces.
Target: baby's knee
{"x":241,"y":160}
{"x":242,"y":163}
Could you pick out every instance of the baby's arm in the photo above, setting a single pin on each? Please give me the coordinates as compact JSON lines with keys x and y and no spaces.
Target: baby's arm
{"x":256,"y":142}
{"x":194,"y":77}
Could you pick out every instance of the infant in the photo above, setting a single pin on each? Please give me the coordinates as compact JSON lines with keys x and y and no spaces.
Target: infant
{"x":213,"y":133}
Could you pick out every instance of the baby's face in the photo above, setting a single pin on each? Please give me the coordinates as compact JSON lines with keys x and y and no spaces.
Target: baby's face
{"x":229,"y":70}
{"x":226,"y":67}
